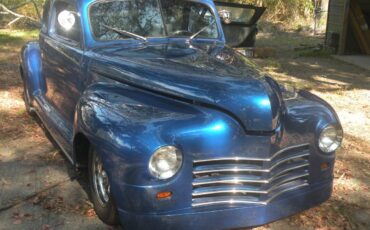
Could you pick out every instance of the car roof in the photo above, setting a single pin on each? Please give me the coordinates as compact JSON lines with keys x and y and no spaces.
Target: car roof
{"x":83,"y":2}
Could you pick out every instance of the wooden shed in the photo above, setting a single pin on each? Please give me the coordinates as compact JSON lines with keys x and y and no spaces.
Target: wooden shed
{"x":348,"y":26}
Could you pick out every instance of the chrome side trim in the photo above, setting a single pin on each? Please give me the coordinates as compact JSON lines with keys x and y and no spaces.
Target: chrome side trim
{"x":232,"y":201}
{"x":251,"y":158}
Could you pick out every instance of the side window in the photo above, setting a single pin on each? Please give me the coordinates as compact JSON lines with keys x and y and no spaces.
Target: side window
{"x":200,"y":17}
{"x":189,"y":17}
{"x":66,"y":22}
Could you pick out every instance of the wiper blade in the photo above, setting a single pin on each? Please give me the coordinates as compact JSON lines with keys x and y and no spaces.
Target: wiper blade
{"x":201,"y":30}
{"x":126,"y":33}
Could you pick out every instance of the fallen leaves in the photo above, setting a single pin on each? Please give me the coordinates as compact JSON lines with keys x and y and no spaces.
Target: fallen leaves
{"x":4,"y":182}
{"x":19,"y":217}
{"x":37,"y":200}
{"x":324,"y":217}
{"x":90,"y":213}
{"x":46,"y":227}
{"x":58,"y":204}
{"x":54,"y":203}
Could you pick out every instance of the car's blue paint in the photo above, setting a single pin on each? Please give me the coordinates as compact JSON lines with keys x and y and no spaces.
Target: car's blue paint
{"x":31,"y":68}
{"x":129,"y":99}
{"x":225,"y":79}
{"x":235,"y":218}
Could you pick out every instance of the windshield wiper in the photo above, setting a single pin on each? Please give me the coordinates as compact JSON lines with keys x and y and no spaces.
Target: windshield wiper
{"x":126,"y":33}
{"x":201,"y":30}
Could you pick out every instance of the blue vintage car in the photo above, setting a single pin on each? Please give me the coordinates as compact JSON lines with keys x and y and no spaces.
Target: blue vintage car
{"x":175,"y":128}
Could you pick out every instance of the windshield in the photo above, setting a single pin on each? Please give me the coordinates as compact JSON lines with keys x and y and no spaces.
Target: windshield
{"x":151,"y":18}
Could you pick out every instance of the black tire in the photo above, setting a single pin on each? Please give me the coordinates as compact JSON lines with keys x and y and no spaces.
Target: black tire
{"x":28,"y":101}
{"x":106,"y":211}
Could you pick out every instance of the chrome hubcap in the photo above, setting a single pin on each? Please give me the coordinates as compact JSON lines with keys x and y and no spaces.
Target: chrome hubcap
{"x":101,"y":183}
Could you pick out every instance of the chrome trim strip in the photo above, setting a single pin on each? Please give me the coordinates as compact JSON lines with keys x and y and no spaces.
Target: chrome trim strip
{"x":234,"y":190}
{"x":231,"y":201}
{"x":291,"y":169}
{"x":238,"y":180}
{"x":235,"y":169}
{"x":251,"y":158}
{"x":234,"y":180}
{"x":288,"y":180}
{"x":282,"y":161}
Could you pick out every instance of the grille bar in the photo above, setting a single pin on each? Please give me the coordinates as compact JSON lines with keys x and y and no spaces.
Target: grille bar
{"x":232,"y":180}
{"x":243,"y":189}
{"x":207,"y":202}
{"x":242,"y":168}
{"x":236,"y":159}
{"x":243,"y":180}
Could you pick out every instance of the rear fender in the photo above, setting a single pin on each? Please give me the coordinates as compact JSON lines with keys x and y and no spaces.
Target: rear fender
{"x":31,"y":68}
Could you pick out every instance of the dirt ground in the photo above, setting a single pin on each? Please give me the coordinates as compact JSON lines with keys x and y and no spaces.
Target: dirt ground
{"x":40,"y":190}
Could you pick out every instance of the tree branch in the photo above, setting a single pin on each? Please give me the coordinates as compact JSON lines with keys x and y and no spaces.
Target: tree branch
{"x":18,"y":16}
{"x":37,"y":9}
{"x":19,"y":5}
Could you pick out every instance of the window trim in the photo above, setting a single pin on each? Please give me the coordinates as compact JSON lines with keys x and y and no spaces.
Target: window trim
{"x":219,"y":31}
{"x":53,"y":21}
{"x":45,"y":22}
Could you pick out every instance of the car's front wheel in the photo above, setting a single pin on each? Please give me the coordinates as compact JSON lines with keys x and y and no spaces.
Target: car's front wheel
{"x":100,"y":192}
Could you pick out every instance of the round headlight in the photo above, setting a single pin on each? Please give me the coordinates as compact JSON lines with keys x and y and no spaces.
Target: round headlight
{"x":165,"y":162}
{"x":330,"y":139}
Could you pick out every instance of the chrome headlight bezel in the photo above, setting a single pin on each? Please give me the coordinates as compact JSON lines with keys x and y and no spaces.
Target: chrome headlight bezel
{"x":330,"y":139}
{"x":165,"y":162}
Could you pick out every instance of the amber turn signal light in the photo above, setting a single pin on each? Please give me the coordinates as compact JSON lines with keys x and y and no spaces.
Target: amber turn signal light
{"x":324,"y":166}
{"x":163,"y":195}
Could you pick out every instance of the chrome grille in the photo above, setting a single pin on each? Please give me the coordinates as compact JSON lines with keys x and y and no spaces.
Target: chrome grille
{"x":243,"y":180}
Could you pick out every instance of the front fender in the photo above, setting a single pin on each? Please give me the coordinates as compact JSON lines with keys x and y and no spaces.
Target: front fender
{"x":31,"y":68}
{"x":126,"y":126}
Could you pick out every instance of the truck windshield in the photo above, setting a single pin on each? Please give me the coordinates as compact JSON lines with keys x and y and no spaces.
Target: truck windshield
{"x":151,"y":18}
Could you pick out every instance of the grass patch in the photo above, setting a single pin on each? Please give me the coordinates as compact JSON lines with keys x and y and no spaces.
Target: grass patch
{"x":323,"y":53}
{"x":286,"y":40}
{"x":17,"y":36}
{"x":273,"y":63}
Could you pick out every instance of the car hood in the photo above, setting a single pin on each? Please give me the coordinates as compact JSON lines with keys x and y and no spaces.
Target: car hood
{"x":210,"y":75}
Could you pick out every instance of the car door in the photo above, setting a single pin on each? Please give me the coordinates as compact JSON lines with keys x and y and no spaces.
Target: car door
{"x":62,"y":59}
{"x":239,"y":22}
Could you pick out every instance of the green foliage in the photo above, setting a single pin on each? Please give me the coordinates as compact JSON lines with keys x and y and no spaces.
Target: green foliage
{"x":17,"y":36}
{"x":25,"y":7}
{"x":280,"y":10}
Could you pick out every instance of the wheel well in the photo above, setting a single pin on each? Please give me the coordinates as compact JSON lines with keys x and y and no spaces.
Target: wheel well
{"x":21,"y":72}
{"x":81,"y":147}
